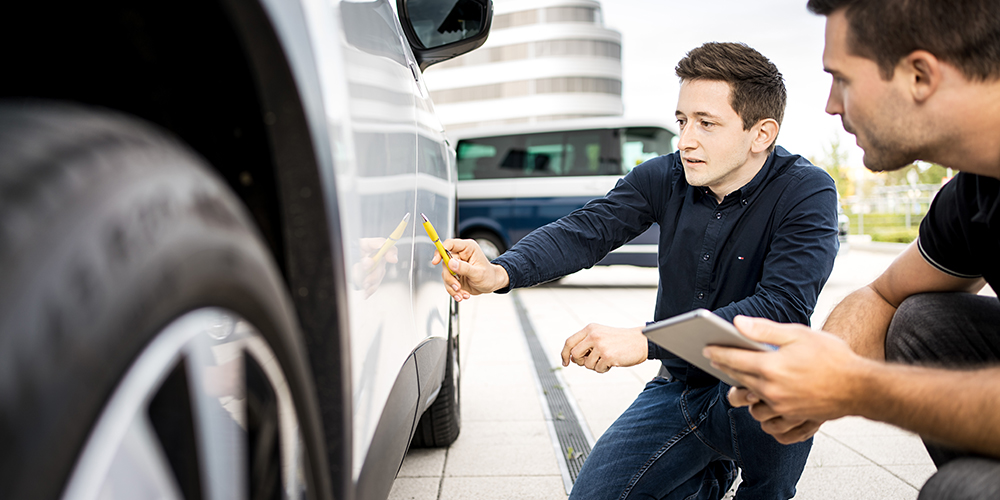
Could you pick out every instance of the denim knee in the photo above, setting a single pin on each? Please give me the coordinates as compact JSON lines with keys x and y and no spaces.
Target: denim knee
{"x":902,"y":338}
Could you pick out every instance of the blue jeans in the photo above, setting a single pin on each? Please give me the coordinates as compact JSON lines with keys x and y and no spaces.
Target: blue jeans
{"x":683,"y":442}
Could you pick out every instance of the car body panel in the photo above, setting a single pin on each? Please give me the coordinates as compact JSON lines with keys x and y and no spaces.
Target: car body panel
{"x":326,"y":132}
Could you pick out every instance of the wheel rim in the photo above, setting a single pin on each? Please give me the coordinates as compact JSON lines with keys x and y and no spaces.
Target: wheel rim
{"x":240,"y":436}
{"x":489,"y":248}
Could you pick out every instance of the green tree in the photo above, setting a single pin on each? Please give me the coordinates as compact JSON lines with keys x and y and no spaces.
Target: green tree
{"x":834,"y":162}
{"x":927,"y":173}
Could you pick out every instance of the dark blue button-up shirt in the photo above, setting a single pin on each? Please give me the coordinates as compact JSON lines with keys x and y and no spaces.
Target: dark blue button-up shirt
{"x":765,"y":251}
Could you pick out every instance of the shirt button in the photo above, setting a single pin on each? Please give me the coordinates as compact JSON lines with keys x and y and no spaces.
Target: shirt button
{"x":706,"y":257}
{"x":700,"y":295}
{"x":744,"y":201}
{"x":718,"y":215}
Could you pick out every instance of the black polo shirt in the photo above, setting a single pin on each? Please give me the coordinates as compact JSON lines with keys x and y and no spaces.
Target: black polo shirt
{"x":765,"y":251}
{"x":960,"y":235}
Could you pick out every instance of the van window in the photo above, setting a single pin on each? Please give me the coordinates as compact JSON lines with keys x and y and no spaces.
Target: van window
{"x":573,"y":153}
{"x":643,"y":143}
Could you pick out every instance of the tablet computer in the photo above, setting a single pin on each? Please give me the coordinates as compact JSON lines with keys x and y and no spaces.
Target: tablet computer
{"x":687,"y":334}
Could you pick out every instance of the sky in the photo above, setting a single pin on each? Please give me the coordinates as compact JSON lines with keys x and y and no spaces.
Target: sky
{"x":657,"y":33}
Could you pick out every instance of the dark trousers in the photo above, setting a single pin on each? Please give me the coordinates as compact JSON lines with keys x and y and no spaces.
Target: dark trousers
{"x":950,"y":330}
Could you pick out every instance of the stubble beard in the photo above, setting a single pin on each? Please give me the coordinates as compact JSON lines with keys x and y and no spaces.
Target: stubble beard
{"x":887,"y":151}
{"x":887,"y":156}
{"x":889,"y":143}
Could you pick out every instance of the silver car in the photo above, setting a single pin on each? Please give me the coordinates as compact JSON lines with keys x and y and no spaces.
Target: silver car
{"x":214,"y":283}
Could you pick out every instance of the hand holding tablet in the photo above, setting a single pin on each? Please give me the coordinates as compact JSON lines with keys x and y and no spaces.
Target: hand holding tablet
{"x":687,"y":334}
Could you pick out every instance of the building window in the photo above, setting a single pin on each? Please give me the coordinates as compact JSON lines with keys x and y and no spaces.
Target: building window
{"x":515,"y":19}
{"x":548,"y":15}
{"x":559,"y":48}
{"x":578,"y":84}
{"x":544,"y":48}
{"x":569,"y":84}
{"x":570,"y":15}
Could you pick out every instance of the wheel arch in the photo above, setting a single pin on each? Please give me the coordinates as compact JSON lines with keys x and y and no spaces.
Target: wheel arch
{"x":218,"y":76}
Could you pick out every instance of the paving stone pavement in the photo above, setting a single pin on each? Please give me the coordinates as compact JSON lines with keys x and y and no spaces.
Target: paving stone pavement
{"x":505,"y":451}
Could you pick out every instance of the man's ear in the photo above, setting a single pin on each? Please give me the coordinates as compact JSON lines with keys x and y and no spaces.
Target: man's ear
{"x":922,"y":73}
{"x":766,"y":133}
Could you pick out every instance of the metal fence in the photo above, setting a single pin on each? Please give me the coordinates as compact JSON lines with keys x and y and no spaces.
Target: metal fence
{"x":897,"y":207}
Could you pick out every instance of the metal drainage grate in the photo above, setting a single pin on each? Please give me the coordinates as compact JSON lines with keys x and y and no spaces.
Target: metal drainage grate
{"x":571,"y":440}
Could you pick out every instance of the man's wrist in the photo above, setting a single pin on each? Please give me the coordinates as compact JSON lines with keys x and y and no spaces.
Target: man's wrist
{"x":859,"y":383}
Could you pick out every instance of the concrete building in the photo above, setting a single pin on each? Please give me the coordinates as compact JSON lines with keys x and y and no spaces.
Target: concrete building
{"x":544,"y":60}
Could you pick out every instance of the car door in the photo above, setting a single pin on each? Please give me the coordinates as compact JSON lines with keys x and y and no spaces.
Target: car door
{"x":379,"y":236}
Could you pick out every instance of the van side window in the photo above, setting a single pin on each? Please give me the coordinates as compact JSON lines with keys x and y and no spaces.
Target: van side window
{"x":592,"y":152}
{"x":574,"y":153}
{"x":643,"y":143}
{"x":490,"y":158}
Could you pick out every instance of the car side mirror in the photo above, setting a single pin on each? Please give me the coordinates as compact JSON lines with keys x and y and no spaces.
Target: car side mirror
{"x":439,"y":30}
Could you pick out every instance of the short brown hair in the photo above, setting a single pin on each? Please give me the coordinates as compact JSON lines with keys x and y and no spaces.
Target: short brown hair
{"x":965,"y":33}
{"x":757,"y":87}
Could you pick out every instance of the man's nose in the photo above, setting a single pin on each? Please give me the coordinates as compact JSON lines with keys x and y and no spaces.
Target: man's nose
{"x":834,"y":103}
{"x":686,"y":140}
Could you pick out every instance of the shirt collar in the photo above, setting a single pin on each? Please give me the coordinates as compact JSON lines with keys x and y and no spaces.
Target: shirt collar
{"x":745,"y":194}
{"x":748,"y":190}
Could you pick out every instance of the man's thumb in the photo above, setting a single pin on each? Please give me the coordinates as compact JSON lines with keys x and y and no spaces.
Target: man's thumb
{"x":764,"y":330}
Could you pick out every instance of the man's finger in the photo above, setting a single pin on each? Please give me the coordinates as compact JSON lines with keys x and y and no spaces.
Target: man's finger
{"x":762,"y":411}
{"x":459,"y":246}
{"x":463,"y":269}
{"x":570,"y":343}
{"x":741,"y":396}
{"x":580,"y":353}
{"x":797,"y":434}
{"x":767,"y":331}
{"x":452,"y":285}
{"x":736,"y":362}
{"x":602,"y":366}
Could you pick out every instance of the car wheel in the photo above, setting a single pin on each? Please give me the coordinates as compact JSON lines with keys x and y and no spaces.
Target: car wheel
{"x":491,"y":244}
{"x":148,"y":347}
{"x":441,"y":422}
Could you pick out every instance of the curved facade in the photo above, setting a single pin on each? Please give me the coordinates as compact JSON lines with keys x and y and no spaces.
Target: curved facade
{"x":544,"y":60}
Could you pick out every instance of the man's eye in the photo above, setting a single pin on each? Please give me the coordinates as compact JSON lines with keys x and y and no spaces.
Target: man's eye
{"x":707,"y":124}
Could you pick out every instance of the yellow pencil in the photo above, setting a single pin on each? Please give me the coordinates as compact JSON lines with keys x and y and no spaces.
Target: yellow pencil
{"x":445,"y":254}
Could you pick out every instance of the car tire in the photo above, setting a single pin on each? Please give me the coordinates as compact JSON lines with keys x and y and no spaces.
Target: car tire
{"x":114,"y":238}
{"x":491,"y":244}
{"x":441,"y":422}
